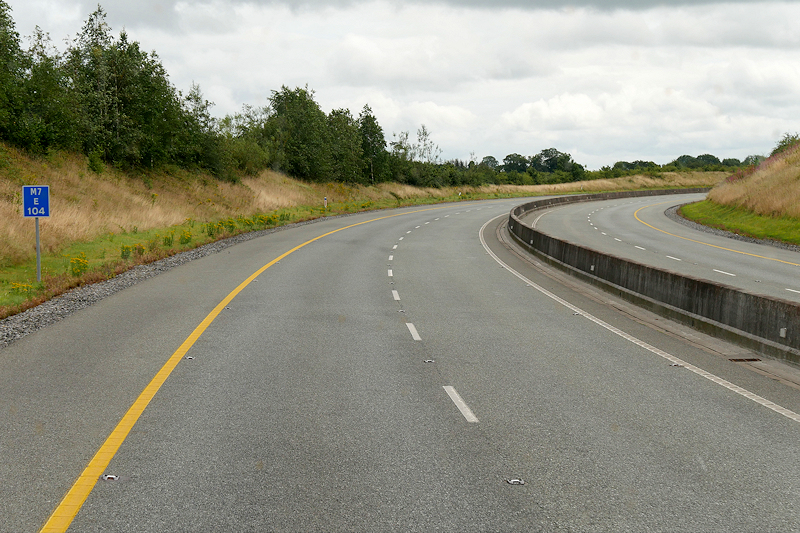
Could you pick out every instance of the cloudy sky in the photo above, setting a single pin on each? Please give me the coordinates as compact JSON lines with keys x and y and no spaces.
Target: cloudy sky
{"x":603,"y":80}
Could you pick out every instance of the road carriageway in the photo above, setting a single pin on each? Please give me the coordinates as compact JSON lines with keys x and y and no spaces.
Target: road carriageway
{"x":406,"y":374}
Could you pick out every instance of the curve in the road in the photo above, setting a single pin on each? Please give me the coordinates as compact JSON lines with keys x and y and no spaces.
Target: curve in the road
{"x":675,"y":361}
{"x":636,"y":216}
{"x":64,"y":514}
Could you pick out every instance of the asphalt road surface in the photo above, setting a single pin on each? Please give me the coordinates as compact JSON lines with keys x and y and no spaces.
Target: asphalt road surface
{"x":396,"y":375}
{"x":637,"y":229}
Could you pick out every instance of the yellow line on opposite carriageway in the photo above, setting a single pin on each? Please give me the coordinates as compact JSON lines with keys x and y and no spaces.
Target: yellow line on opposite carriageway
{"x":66,"y":511}
{"x":636,"y":215}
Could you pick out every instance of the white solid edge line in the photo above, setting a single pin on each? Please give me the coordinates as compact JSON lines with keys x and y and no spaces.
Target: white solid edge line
{"x":661,"y":353}
{"x":396,"y":295}
{"x":461,"y":404}
{"x":413,"y":331}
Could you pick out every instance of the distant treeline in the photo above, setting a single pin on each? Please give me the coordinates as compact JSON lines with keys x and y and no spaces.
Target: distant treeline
{"x":106,"y":98}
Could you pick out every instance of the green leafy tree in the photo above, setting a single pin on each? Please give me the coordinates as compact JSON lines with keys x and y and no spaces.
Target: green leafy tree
{"x":490,"y":162}
{"x":373,"y":146}
{"x":246,"y":139}
{"x":346,"y":147}
{"x":752,"y":160}
{"x":301,"y":134}
{"x":788,"y":141}
{"x":11,"y":73}
{"x":515,"y":163}
{"x":49,"y":115}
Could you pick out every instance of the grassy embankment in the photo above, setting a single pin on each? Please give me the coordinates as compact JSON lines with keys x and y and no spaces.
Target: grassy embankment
{"x":103,"y":224}
{"x":764,"y":204}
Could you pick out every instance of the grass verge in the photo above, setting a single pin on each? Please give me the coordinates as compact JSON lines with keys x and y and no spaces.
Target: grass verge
{"x":743,"y":222}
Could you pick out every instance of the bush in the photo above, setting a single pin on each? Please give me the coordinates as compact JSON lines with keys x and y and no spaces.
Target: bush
{"x":79,"y":265}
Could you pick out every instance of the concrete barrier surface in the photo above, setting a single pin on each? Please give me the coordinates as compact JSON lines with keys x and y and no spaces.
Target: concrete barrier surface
{"x":767,"y":325}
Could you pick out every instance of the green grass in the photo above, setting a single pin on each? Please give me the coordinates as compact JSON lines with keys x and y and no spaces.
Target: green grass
{"x":743,"y":222}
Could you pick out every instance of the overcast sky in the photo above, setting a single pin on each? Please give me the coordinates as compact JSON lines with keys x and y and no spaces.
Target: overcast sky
{"x":604,"y":81}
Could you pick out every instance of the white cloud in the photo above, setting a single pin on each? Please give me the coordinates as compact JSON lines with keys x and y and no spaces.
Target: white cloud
{"x":562,"y":112}
{"x":604,"y":80}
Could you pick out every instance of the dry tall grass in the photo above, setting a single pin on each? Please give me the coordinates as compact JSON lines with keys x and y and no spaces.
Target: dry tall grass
{"x":772,"y":190}
{"x":85,"y":205}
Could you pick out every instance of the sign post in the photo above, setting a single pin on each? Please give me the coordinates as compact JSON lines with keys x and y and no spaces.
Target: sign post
{"x":35,"y":204}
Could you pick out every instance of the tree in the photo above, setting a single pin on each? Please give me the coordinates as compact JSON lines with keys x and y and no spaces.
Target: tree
{"x":373,"y":145}
{"x":787,"y":141}
{"x":49,"y":115}
{"x":301,"y":134}
{"x":490,"y":162}
{"x":87,"y":63}
{"x":12,"y":61}
{"x":346,"y":151}
{"x":752,"y":160}
{"x":401,"y":147}
{"x":425,"y":150}
{"x":708,"y":160}
{"x":515,"y":163}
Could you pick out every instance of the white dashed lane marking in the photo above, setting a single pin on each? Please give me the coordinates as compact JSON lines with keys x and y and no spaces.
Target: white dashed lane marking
{"x":396,"y":296}
{"x":461,"y":404}
{"x":723,"y":272}
{"x":413,"y":331}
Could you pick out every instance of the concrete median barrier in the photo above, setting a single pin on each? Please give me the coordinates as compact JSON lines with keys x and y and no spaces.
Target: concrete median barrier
{"x":767,"y":325}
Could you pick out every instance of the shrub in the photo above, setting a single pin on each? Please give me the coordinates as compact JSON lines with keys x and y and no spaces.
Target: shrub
{"x":79,"y":265}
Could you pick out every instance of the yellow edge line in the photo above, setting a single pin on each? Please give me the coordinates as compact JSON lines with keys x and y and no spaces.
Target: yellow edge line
{"x":636,"y":215}
{"x":66,"y":511}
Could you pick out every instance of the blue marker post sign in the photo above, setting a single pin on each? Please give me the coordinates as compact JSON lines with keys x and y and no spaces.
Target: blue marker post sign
{"x":35,"y":204}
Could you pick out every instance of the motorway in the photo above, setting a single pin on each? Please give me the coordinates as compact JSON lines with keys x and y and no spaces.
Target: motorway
{"x":637,"y":229}
{"x":403,"y":370}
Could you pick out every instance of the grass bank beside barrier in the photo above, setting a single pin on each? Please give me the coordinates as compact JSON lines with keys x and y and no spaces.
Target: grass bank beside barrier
{"x":743,"y":222}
